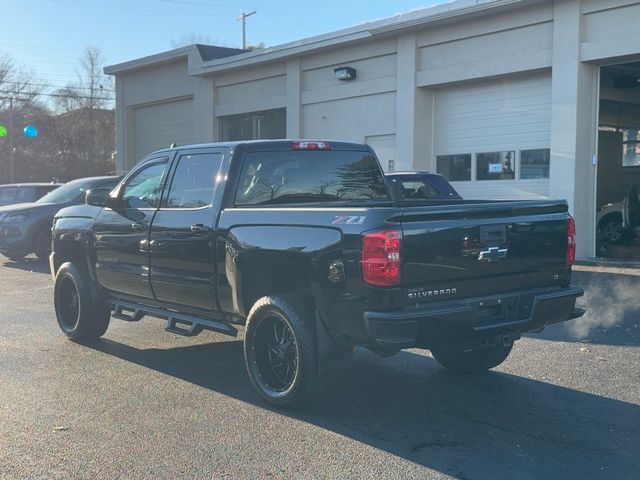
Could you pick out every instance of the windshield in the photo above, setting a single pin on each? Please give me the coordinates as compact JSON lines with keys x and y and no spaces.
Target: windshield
{"x":69,"y":191}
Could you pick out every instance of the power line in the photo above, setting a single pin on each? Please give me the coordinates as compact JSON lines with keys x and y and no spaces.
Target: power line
{"x":47,"y":47}
{"x":49,"y":85}
{"x":59,"y":95}
{"x":203,"y":4}
{"x":133,"y":7}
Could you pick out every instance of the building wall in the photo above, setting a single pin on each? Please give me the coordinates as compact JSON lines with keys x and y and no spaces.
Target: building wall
{"x":263,"y":88}
{"x":401,"y":77}
{"x":167,"y":84}
{"x":509,"y":42}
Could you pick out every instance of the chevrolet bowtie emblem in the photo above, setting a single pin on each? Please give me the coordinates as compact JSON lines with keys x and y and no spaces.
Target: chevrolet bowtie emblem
{"x":492,"y":254}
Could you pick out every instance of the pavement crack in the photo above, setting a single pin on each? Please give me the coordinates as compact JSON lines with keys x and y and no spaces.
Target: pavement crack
{"x":553,"y":440}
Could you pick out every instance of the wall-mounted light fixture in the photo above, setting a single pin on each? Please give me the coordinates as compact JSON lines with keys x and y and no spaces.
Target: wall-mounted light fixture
{"x":345,"y":73}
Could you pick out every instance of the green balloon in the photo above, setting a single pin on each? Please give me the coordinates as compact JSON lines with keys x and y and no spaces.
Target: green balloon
{"x":3,"y":131}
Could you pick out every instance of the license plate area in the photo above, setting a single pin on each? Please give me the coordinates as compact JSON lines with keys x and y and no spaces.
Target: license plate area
{"x":497,"y":310}
{"x":489,"y":312}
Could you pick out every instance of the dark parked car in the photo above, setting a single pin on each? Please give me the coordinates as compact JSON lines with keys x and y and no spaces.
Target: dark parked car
{"x":24,"y":192}
{"x":420,"y":186}
{"x":301,"y":243}
{"x":26,"y":227}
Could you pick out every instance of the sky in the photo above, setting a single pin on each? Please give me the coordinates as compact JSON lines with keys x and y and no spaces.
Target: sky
{"x":48,"y":36}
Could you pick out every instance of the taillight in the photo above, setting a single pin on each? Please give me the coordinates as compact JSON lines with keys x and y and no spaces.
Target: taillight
{"x":571,"y":240}
{"x":311,"y":146}
{"x":381,"y":258}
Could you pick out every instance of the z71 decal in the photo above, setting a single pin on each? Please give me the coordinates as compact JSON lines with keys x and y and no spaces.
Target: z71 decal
{"x":349,"y":220}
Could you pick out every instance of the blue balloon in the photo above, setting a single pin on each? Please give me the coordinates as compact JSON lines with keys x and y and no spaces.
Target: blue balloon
{"x":30,"y":131}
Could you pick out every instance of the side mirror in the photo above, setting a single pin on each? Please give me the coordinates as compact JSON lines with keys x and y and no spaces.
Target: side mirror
{"x":99,"y":197}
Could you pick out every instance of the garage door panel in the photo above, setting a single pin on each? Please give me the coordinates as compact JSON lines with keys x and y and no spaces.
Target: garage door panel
{"x":158,"y":126}
{"x":497,"y":115}
{"x":505,"y":114}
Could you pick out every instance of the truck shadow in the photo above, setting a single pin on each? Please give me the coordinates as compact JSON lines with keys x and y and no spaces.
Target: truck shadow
{"x":494,"y":425}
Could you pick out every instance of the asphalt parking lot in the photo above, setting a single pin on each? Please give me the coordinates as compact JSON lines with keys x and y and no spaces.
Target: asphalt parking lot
{"x":143,"y":403}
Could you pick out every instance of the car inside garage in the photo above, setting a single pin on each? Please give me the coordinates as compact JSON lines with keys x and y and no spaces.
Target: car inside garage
{"x":618,"y":178}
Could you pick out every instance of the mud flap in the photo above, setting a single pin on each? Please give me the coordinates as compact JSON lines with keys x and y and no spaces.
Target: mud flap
{"x":334,"y":355}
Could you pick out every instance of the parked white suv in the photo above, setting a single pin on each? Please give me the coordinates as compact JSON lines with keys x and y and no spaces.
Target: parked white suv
{"x":615,"y":221}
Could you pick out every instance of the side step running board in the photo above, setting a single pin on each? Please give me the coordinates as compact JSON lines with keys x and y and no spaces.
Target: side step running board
{"x":178,"y":323}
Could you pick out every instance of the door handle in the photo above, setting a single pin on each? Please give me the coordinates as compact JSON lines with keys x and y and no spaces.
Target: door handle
{"x":139,"y":227}
{"x":200,"y":229}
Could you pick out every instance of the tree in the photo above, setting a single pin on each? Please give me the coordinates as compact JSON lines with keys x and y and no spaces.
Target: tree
{"x":191,"y":38}
{"x":19,"y":90}
{"x":85,"y":127}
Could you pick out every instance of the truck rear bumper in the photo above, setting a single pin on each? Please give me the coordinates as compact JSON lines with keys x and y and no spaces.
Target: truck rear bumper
{"x":472,"y":320}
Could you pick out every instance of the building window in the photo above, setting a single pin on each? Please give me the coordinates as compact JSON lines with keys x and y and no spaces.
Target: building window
{"x":268,"y":124}
{"x":534,"y":163}
{"x":455,"y":168}
{"x":630,"y":147}
{"x":496,"y":166}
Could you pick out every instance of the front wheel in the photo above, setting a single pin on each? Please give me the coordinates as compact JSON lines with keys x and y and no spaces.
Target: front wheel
{"x":280,"y":349}
{"x":472,"y":360}
{"x":80,"y":315}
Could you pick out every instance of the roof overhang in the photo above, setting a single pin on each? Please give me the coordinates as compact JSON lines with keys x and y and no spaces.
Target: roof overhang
{"x":236,"y":59}
{"x":413,"y":20}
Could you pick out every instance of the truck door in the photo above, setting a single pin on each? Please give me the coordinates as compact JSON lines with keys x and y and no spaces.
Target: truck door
{"x":122,"y":235}
{"x":181,"y":240}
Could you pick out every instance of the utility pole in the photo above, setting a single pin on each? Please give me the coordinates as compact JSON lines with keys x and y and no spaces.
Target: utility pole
{"x":11,"y":169}
{"x":243,"y":19}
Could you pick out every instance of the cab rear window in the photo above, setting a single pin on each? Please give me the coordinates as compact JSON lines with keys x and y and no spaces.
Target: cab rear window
{"x":276,"y":178}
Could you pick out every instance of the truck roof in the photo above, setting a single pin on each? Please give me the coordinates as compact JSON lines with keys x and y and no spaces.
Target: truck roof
{"x":280,"y":144}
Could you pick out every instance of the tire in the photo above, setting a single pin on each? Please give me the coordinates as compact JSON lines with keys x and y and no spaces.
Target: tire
{"x":473,"y":360}
{"x":42,"y":247}
{"x":280,"y":349}
{"x":611,"y":229}
{"x":80,"y":315}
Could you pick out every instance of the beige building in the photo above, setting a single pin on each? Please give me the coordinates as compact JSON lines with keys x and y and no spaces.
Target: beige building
{"x":507,"y":98}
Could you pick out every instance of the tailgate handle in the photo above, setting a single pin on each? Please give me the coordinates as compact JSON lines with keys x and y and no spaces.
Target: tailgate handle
{"x":493,"y":234}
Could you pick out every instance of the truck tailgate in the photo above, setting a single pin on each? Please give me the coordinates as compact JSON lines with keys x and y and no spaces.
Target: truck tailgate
{"x":464,"y":250}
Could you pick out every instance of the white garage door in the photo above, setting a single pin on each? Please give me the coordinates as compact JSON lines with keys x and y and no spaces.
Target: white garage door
{"x":158,"y":126}
{"x":497,"y":134}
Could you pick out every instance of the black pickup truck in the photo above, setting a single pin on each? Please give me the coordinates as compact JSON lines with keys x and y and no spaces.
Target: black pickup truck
{"x":300,"y":243}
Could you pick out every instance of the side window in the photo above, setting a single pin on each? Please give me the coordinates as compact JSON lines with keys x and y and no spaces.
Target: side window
{"x":25,"y":194}
{"x":7,"y":194}
{"x":144,"y":188}
{"x":194,"y":180}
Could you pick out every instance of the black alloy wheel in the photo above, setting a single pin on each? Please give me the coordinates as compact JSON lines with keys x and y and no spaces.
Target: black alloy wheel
{"x":69,"y":301}
{"x":280,"y":349}
{"x":81,"y":313}
{"x":276,"y":354}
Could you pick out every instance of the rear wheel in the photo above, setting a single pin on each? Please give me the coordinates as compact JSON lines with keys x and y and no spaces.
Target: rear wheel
{"x":471,"y":360}
{"x":611,"y":229}
{"x":280,"y":349}
{"x":80,"y":315}
{"x":43,"y":244}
